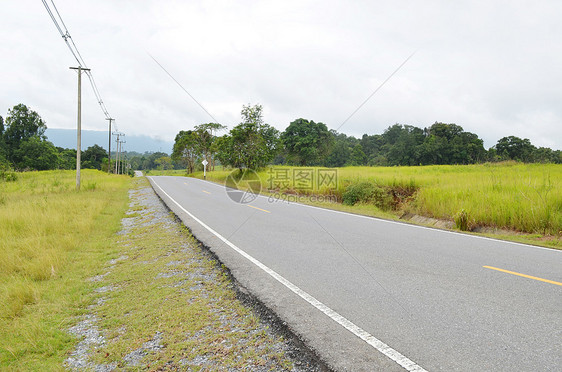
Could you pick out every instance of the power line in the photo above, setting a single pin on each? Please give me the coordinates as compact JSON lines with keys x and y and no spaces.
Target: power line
{"x":65,"y":34}
{"x":181,"y":86}
{"x":375,"y":91}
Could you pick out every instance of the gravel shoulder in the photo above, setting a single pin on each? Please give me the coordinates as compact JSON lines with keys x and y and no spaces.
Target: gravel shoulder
{"x":162,"y":302}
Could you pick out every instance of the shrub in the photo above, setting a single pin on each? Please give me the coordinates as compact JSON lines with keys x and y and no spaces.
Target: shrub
{"x":6,"y":173}
{"x":462,"y":221}
{"x":367,"y":192}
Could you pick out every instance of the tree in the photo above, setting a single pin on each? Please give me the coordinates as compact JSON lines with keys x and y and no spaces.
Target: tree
{"x":515,"y":148}
{"x":21,"y":124}
{"x":372,"y":145}
{"x":401,"y":144}
{"x":450,"y":144}
{"x":36,"y":154}
{"x":251,"y":144}
{"x":3,"y":152}
{"x":307,"y":142}
{"x":207,"y":141}
{"x":340,"y":154}
{"x":67,"y":158}
{"x":164,"y":163}
{"x":93,"y":156}
{"x":187,"y":149}
{"x":358,"y":156}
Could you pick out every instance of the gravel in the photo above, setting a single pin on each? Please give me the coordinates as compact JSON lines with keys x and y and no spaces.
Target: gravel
{"x":146,"y":209}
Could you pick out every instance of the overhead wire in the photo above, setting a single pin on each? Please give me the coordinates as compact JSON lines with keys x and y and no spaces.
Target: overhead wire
{"x":65,"y":34}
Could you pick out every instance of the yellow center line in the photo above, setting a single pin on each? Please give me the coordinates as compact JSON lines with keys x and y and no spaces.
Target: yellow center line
{"x":206,"y":192}
{"x":523,"y":275}
{"x":259,"y":209}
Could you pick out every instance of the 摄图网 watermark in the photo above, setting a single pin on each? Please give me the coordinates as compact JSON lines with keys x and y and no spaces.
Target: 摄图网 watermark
{"x":284,"y":184}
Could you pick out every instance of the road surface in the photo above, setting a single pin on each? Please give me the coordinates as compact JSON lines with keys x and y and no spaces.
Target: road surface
{"x":369,"y":294}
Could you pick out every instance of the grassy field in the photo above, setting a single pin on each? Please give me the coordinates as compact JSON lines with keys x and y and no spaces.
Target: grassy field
{"x":51,"y":238}
{"x":523,"y":198}
{"x":106,"y":278}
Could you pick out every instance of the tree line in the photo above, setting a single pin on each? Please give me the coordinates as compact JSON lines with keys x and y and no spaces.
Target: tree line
{"x":254,"y":144}
{"x":24,"y":145}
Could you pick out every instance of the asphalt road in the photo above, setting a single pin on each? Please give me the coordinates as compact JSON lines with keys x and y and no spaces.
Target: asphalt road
{"x":369,"y":294}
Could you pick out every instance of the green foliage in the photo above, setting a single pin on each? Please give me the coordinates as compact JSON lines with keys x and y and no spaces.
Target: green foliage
{"x":341,"y":152}
{"x":92,"y":157}
{"x":187,"y":149}
{"x":367,"y":192}
{"x":67,"y":158}
{"x":207,"y":141}
{"x":515,"y":148}
{"x":36,"y":153}
{"x":252,"y":144}
{"x":307,"y":142}
{"x":164,"y":163}
{"x":439,"y":144}
{"x":21,"y":125}
{"x":6,"y":172}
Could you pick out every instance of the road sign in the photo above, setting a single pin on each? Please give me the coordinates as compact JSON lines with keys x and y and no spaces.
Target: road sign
{"x":204,"y":162}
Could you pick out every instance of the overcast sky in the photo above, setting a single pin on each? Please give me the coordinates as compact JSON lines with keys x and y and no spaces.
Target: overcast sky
{"x":492,"y":67}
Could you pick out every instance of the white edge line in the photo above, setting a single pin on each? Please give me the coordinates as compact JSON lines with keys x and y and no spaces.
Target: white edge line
{"x":400,"y":222}
{"x":344,"y":322}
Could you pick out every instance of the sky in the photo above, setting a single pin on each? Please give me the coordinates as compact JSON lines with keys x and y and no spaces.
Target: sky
{"x":492,"y":67}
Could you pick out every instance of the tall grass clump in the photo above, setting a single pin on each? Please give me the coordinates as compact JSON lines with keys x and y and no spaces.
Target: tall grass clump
{"x":46,"y":229}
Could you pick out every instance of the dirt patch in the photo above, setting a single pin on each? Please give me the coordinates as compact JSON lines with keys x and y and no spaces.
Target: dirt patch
{"x":428,"y":221}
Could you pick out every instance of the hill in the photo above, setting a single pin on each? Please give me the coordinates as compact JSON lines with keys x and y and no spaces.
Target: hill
{"x":67,"y":138}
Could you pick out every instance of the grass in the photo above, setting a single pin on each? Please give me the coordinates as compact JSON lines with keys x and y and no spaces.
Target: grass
{"x":65,"y":262}
{"x":522,"y":198}
{"x":52,"y":238}
{"x":169,"y":172}
{"x":163,"y":284}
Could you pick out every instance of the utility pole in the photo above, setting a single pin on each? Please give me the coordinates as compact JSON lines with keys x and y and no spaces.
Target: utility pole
{"x":79,"y":128}
{"x":117,"y":156}
{"x":117,"y":141}
{"x":122,"y":156}
{"x":109,"y":149}
{"x":119,"y":152}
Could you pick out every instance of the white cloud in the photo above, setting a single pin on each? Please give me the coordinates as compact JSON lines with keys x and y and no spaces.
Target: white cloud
{"x":491,"y":67}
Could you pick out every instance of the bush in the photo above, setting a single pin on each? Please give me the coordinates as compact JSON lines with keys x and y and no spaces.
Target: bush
{"x":7,"y":173}
{"x":462,"y":221}
{"x":367,"y":192}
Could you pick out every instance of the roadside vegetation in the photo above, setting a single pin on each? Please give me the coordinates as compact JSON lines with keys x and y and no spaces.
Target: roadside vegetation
{"x":163,"y":303}
{"x":513,"y":197}
{"x":106,"y":278}
{"x":51,"y":239}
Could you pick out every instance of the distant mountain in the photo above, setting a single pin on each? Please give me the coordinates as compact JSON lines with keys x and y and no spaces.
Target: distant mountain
{"x":67,"y":138}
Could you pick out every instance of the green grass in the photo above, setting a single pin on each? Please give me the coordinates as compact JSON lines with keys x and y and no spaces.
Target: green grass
{"x":52,"y":238}
{"x":169,"y":172}
{"x":524,"y":198}
{"x":165,"y":284}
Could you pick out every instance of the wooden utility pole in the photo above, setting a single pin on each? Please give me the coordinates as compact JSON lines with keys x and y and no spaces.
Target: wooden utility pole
{"x":117,"y":155}
{"x":79,"y":128}
{"x":121,"y":165}
{"x":109,"y":148}
{"x":116,"y":150}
